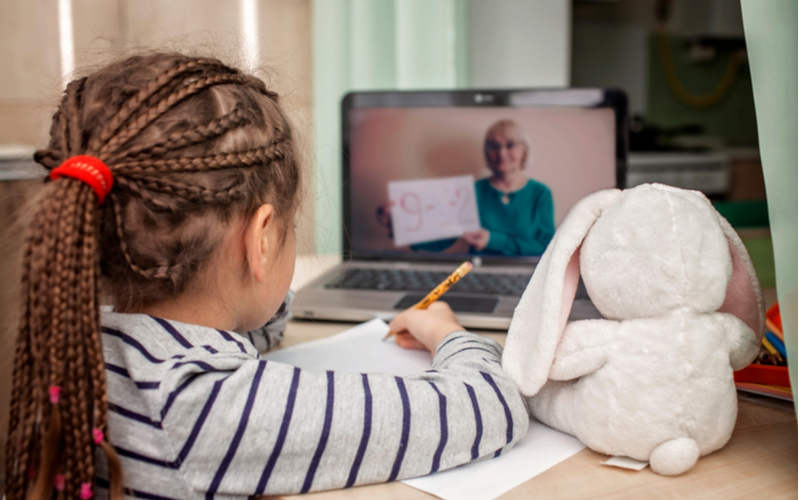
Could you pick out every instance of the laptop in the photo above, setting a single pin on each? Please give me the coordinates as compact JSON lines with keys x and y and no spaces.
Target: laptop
{"x":435,"y":178}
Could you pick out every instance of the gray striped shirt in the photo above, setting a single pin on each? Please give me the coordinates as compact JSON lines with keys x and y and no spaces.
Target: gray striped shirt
{"x":194,"y":413}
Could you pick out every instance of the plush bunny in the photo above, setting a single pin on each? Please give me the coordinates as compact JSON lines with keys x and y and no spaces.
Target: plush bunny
{"x":683,"y":309}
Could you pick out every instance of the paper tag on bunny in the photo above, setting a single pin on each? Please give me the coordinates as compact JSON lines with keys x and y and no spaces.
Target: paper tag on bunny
{"x":625,"y":463}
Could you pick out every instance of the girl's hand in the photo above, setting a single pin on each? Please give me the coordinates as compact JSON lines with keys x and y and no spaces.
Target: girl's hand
{"x":424,"y":328}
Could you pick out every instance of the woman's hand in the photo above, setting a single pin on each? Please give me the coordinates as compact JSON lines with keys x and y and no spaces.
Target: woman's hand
{"x":424,"y":328}
{"x":478,"y":239}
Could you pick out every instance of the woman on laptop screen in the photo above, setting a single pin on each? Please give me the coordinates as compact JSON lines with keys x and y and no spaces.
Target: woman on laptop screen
{"x":516,"y":212}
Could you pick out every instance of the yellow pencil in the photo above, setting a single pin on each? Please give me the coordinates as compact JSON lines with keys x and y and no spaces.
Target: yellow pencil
{"x":437,"y":292}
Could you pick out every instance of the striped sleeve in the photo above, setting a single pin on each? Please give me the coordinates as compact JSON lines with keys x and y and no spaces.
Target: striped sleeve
{"x":270,"y":428}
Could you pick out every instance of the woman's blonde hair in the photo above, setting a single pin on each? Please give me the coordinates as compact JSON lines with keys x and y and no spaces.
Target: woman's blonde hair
{"x":191,"y":143}
{"x":506,"y":126}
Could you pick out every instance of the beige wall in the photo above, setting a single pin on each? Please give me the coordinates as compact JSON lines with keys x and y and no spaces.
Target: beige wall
{"x":30,"y":87}
{"x":29,"y":58}
{"x":104,"y":30}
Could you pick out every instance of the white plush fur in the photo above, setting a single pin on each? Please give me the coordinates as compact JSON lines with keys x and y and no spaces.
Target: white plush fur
{"x":654,"y":380}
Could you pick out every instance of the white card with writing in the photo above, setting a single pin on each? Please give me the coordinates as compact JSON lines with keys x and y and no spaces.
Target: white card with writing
{"x":433,"y":209}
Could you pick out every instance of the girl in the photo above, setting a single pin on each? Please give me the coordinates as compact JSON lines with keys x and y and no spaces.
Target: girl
{"x":174,"y":185}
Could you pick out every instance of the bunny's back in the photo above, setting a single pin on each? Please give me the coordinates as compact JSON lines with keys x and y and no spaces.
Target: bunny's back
{"x":666,"y":377}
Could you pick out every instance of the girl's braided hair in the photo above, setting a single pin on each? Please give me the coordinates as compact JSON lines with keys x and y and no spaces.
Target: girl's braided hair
{"x":191,"y":143}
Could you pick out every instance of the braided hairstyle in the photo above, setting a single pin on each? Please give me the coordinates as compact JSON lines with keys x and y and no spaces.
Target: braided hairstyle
{"x":191,"y":143}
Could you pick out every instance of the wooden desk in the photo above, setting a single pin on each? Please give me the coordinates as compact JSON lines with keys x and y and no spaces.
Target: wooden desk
{"x":760,"y":460}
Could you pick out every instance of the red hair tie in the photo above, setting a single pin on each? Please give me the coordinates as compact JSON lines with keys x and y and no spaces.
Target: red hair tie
{"x":88,"y":169}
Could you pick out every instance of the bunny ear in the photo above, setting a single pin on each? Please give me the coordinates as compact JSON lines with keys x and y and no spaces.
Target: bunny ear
{"x":743,"y":298}
{"x":541,"y":315}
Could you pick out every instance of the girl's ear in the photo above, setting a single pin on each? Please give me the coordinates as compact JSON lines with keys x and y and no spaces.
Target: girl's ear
{"x":258,"y":240}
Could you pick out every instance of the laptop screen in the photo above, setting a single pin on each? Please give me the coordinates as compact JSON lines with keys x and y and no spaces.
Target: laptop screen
{"x":442,"y":182}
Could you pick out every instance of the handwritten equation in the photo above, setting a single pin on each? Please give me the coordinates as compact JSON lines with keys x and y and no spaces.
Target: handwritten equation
{"x":433,"y":209}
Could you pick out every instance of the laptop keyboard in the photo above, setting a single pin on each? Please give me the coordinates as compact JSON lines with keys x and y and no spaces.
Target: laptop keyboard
{"x":408,"y":280}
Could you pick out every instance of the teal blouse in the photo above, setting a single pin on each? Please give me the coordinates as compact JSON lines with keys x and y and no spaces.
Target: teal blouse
{"x":524,"y":226}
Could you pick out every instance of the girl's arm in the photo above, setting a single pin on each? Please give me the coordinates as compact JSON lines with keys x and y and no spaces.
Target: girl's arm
{"x":270,"y":428}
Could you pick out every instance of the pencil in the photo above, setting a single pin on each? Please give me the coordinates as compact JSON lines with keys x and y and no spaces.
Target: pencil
{"x":440,"y":289}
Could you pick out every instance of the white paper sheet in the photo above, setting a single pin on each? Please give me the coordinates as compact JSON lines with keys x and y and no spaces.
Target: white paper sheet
{"x":433,"y":209}
{"x":360,"y":350}
{"x":357,"y":350}
{"x":540,"y":449}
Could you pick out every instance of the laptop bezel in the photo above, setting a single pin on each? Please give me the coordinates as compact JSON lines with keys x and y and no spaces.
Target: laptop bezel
{"x":574,"y":97}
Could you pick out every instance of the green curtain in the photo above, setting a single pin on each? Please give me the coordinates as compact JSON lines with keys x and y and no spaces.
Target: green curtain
{"x":375,"y":45}
{"x":770,"y":30}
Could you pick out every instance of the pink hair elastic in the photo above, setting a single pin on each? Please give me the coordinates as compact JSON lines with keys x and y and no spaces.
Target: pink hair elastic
{"x":98,"y":435}
{"x":86,"y":491}
{"x":59,"y":482}
{"x":55,"y":394}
